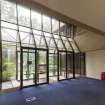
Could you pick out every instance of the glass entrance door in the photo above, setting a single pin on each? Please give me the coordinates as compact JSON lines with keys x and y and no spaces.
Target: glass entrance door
{"x":28,"y":67}
{"x":34,"y":66}
{"x":42,"y":66}
{"x":52,"y":67}
{"x":69,"y":65}
{"x":62,"y":65}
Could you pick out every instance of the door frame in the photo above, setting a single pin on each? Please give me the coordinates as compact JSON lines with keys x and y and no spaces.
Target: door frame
{"x":70,"y":52}
{"x":66,"y":52}
{"x":58,"y":62}
{"x":21,"y":66}
{"x":54,"y":65}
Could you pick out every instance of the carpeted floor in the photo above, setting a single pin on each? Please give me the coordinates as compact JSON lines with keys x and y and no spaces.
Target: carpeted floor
{"x":83,"y":91}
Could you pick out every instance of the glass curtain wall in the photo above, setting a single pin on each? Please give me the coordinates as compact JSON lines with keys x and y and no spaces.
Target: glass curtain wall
{"x":35,"y":48}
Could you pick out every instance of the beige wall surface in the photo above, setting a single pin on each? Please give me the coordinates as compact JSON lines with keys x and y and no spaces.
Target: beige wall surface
{"x":89,"y":41}
{"x":95,"y":63}
{"x":90,"y":12}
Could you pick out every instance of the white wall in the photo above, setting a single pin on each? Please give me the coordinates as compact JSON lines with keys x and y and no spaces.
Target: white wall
{"x":95,"y":63}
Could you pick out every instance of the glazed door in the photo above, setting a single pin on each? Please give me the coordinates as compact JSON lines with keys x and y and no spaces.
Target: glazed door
{"x":42,"y":67}
{"x":33,"y":67}
{"x":27,"y":67}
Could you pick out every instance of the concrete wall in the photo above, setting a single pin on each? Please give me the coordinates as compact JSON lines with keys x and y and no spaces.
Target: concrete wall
{"x":95,"y":63}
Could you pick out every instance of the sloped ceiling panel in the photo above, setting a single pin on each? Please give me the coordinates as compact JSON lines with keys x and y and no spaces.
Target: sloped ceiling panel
{"x":89,"y":41}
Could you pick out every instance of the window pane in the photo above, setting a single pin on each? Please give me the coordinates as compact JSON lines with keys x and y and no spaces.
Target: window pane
{"x":36,"y":32}
{"x":62,"y":65}
{"x":62,"y":28}
{"x":77,"y":65}
{"x":9,"y":79}
{"x":9,"y":35}
{"x":24,"y":29}
{"x":68,"y":31}
{"x":69,"y":65}
{"x":8,"y":25}
{"x":74,"y":46}
{"x":26,"y":39}
{"x":50,"y":41}
{"x":40,"y":41}
{"x":46,"y":23}
{"x":66,"y":42}
{"x":36,"y":20}
{"x":59,"y":42}
{"x":55,"y":26}
{"x":41,"y":66}
{"x":8,"y":11}
{"x":24,"y":16}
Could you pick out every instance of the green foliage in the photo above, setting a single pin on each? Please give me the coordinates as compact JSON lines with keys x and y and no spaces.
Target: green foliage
{"x":52,"y":66}
{"x":8,"y":71}
{"x":7,"y":75}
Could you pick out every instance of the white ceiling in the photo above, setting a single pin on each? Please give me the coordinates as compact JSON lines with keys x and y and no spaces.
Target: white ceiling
{"x":90,"y":12}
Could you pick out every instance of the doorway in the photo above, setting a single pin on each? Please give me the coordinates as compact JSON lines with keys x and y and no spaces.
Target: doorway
{"x":33,"y":64}
{"x":53,"y":67}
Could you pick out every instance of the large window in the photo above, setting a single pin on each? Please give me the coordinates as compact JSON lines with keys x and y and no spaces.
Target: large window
{"x":36,"y":48}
